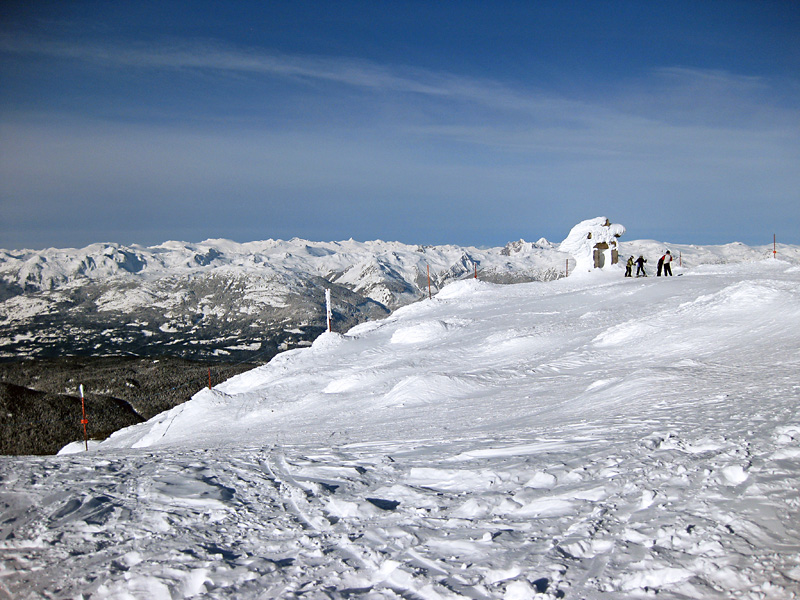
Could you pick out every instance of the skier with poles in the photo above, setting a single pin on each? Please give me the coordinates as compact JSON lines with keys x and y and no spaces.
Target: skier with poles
{"x":640,"y":266}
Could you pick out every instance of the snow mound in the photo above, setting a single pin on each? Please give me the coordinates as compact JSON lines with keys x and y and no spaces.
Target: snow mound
{"x":586,"y":236}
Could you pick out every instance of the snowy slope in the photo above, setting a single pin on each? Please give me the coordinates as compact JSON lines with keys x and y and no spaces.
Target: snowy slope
{"x":591,"y":437}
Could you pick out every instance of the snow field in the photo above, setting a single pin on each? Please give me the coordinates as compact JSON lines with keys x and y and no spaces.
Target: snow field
{"x":593,"y":437}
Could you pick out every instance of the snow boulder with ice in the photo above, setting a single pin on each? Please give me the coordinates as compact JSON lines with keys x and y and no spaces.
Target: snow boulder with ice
{"x":593,"y":244}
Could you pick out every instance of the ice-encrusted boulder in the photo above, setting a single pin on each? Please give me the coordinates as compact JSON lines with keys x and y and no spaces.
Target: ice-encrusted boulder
{"x":593,"y":244}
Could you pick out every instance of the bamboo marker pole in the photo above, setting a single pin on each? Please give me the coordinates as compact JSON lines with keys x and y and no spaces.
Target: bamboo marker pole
{"x":328,"y":312}
{"x":774,"y":246}
{"x":84,"y":420}
{"x":429,"y":282}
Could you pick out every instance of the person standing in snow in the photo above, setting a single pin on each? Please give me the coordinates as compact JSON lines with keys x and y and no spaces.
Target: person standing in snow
{"x":640,"y":266}
{"x":667,"y":258}
{"x":660,"y":266}
{"x":628,"y":267}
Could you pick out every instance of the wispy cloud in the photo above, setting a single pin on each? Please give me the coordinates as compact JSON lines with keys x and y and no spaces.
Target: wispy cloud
{"x":212,"y":56}
{"x":669,"y":94}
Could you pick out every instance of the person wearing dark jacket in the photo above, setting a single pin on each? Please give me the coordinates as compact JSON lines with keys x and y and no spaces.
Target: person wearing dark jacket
{"x":660,"y":266}
{"x":640,"y":266}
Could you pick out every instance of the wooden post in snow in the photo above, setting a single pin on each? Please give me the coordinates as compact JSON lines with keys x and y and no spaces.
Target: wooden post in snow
{"x":209,"y":377}
{"x":328,"y":311}
{"x":84,"y":420}
{"x":566,"y":271}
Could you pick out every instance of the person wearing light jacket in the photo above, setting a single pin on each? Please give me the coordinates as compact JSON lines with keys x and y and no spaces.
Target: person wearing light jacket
{"x":667,"y":261}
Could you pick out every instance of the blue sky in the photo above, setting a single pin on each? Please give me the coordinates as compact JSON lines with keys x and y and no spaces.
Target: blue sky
{"x":470,"y":123}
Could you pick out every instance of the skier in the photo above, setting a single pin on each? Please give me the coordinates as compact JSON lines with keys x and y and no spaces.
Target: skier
{"x":660,"y":266}
{"x":628,"y":267}
{"x":667,"y":260}
{"x":640,"y":266}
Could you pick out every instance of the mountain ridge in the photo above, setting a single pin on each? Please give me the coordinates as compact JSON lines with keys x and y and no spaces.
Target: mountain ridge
{"x":225,"y":300}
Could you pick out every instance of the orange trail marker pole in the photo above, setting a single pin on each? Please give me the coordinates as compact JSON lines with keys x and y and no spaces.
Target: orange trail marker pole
{"x":84,"y":420}
{"x":476,"y":271}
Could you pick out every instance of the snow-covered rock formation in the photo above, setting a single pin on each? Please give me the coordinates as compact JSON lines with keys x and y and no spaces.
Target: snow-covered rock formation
{"x":593,"y":244}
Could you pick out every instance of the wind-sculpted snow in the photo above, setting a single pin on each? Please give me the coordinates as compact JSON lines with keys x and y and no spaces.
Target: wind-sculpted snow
{"x":593,"y":437}
{"x":585,"y":237}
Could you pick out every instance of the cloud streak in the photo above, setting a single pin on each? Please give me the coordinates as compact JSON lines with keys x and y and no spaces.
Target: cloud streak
{"x":359,"y":74}
{"x":674,"y":95}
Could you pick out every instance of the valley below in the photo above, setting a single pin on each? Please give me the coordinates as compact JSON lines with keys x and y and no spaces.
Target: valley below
{"x":40,"y":404}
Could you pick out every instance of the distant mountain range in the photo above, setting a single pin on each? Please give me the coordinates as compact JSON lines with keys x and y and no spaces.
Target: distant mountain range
{"x":224,"y":300}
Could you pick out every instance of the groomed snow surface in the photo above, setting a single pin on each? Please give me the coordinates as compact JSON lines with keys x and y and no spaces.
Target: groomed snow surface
{"x":594,"y":437}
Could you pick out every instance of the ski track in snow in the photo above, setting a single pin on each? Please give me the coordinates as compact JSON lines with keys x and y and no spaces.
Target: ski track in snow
{"x":600,"y":440}
{"x":576,"y":517}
